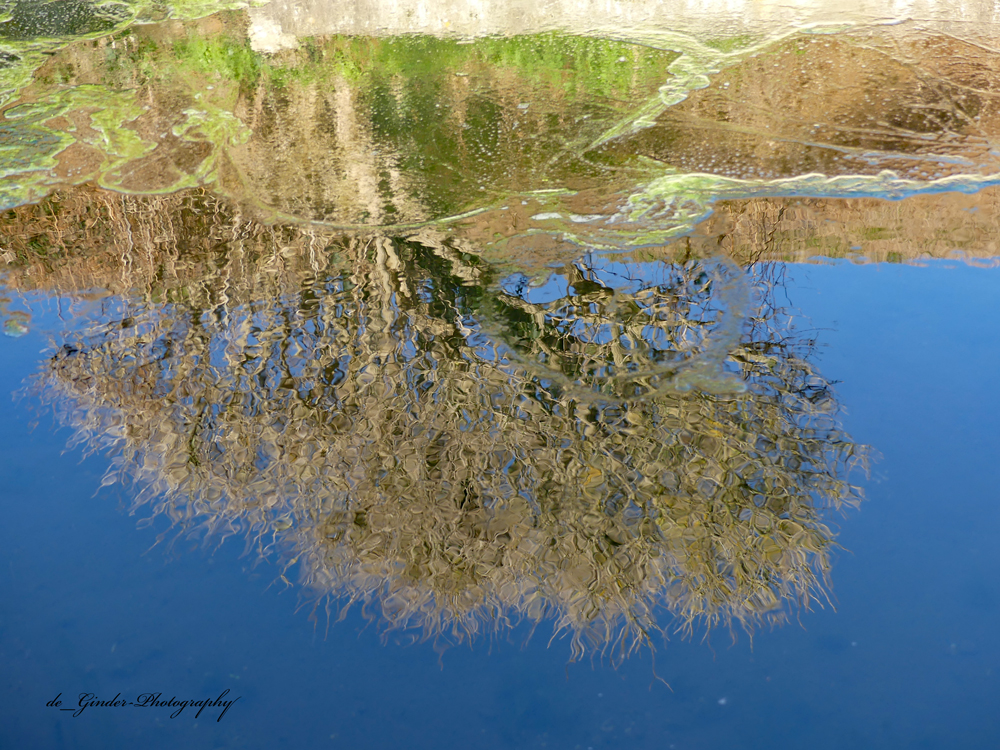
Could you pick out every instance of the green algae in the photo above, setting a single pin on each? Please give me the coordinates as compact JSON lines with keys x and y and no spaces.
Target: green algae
{"x":32,"y":146}
{"x":31,"y":31}
{"x":686,"y":199}
{"x":671,"y":206}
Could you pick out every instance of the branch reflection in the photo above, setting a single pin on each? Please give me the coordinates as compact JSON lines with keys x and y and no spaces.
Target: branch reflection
{"x":418,"y":434}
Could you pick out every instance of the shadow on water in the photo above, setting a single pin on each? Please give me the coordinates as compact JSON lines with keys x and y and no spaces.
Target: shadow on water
{"x":447,"y":443}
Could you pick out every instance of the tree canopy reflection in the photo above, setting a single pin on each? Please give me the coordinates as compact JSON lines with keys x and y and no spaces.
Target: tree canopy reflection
{"x":364,"y":412}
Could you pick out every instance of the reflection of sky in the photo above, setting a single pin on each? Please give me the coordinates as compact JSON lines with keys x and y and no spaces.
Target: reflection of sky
{"x":623,"y":277}
{"x":554,"y":288}
{"x":701,"y":302}
{"x":628,"y":278}
{"x":909,"y":657}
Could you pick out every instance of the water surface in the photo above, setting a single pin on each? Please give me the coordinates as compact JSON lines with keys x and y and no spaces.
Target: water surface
{"x":535,"y":386}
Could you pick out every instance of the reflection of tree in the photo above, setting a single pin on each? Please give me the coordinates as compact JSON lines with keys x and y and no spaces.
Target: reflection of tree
{"x":364,"y":419}
{"x":346,"y":130}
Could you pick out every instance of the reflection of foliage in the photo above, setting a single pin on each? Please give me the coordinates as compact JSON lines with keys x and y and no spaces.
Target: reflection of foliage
{"x":360,"y":417}
{"x":423,"y":127}
{"x":396,"y":130}
{"x":602,"y":69}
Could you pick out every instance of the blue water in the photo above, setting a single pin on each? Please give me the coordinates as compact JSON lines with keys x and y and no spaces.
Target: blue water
{"x":907,"y":658}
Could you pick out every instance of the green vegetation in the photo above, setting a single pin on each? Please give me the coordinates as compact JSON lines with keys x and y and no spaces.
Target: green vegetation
{"x":210,"y":58}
